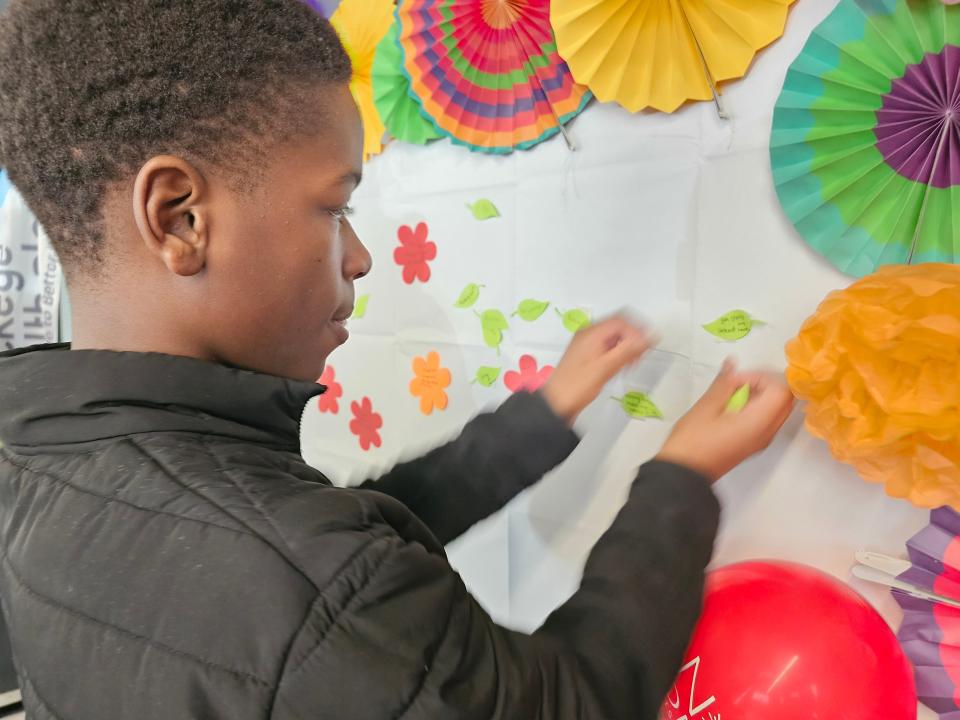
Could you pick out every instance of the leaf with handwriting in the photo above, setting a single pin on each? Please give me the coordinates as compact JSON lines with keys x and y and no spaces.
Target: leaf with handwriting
{"x":574,"y":320}
{"x":639,"y":405}
{"x":531,"y":310}
{"x":469,"y":296}
{"x":487,"y":376}
{"x":732,"y":326}
{"x":493,"y":323}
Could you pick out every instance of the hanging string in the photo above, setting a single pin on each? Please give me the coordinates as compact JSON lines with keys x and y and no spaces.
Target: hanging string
{"x":721,"y":111}
{"x":944,"y":134}
{"x":535,"y":77}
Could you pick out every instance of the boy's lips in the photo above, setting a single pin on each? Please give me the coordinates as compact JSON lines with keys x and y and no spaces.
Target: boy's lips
{"x":340,"y":329}
{"x":339,"y":323}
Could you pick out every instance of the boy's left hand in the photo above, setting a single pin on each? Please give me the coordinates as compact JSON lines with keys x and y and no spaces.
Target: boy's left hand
{"x":594,"y":356}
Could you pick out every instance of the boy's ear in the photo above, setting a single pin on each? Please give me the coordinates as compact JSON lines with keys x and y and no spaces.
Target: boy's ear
{"x":170,"y":209}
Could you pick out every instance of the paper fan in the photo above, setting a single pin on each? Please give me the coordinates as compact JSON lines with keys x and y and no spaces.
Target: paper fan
{"x":661,"y":53}
{"x":930,"y":632}
{"x":487,"y":72}
{"x":391,"y":94}
{"x":324,"y":7}
{"x":866,"y":135}
{"x":361,"y":25}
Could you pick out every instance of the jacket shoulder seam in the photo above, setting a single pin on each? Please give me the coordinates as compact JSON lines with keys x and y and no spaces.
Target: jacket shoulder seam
{"x":113,"y":499}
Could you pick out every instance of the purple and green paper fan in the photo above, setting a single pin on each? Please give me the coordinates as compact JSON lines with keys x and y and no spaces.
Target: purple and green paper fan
{"x":865,"y":148}
{"x":930,"y":632}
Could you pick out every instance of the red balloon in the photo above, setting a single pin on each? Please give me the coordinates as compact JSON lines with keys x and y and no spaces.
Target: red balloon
{"x":780,"y":641}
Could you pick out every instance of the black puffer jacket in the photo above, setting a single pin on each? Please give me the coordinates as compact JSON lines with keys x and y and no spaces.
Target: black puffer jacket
{"x":167,"y":554}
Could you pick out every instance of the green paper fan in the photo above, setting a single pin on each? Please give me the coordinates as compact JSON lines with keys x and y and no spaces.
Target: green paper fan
{"x":391,"y":94}
{"x":865,"y":147}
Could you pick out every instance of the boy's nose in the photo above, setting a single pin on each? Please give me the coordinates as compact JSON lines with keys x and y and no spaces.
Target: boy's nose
{"x":357,"y":260}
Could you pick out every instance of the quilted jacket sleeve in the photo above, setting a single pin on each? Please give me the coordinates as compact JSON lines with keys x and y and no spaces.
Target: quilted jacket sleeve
{"x":411,"y":643}
{"x":497,"y":455}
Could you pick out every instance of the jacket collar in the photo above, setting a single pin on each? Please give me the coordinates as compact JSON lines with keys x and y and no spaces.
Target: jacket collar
{"x":52,"y":396}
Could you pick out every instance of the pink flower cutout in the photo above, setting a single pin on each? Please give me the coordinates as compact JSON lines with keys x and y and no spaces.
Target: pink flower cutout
{"x":366,"y":424}
{"x":414,"y":253}
{"x":530,"y":378}
{"x":327,"y":402}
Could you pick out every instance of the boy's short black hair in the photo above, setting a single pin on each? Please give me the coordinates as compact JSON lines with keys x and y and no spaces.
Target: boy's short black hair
{"x":91,"y":89}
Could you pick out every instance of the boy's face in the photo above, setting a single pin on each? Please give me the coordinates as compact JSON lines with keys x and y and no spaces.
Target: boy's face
{"x":281,"y":261}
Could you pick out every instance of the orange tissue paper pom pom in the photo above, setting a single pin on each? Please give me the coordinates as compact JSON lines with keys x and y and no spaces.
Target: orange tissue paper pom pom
{"x":879,"y":366}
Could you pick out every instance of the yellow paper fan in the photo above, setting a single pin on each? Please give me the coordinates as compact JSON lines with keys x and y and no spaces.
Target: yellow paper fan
{"x":661,"y":53}
{"x":361,"y":25}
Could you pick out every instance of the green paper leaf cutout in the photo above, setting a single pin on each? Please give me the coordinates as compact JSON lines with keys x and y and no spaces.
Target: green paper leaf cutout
{"x":531,"y":310}
{"x":487,"y":376}
{"x":492,"y":338}
{"x":493,"y":323}
{"x":639,"y":405}
{"x":738,"y":401}
{"x":574,"y":320}
{"x":484,"y":210}
{"x":360,"y":308}
{"x":732,"y":326}
{"x":494,"y":319}
{"x":469,"y":296}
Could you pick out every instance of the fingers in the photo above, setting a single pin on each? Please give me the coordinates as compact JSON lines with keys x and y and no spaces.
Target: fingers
{"x":627,"y":351}
{"x":613,"y":327}
{"x":616,"y":342}
{"x":767,"y":410}
{"x":770,"y":397}
{"x":727,"y":382}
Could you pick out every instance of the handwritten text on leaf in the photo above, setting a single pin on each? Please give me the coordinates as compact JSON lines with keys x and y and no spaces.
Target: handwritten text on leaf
{"x":487,"y":376}
{"x":493,"y":324}
{"x":574,"y":320}
{"x":469,"y":296}
{"x":732,"y":326}
{"x":639,"y":405}
{"x":531,"y":310}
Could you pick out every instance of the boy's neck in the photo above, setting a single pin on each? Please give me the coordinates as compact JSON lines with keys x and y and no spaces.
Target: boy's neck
{"x":103,"y":321}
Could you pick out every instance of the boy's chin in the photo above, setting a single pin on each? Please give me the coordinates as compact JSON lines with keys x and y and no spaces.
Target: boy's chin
{"x":307,"y":367}
{"x":299,"y":360}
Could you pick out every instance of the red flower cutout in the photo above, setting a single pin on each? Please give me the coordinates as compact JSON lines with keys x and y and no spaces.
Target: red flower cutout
{"x":530,"y":378}
{"x":414,"y":253}
{"x":366,"y":424}
{"x":327,"y":402}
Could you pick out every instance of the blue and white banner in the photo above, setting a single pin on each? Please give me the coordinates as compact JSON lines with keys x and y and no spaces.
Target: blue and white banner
{"x":31,"y":278}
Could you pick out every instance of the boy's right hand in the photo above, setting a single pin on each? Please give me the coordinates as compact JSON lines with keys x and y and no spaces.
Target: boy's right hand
{"x":712,"y":441}
{"x":594,"y":356}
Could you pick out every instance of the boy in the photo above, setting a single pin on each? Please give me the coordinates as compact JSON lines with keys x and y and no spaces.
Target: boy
{"x":166,"y":553}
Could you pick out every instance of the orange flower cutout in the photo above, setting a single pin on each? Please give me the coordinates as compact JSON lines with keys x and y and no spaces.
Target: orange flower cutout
{"x":879,"y":367}
{"x":430,"y":382}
